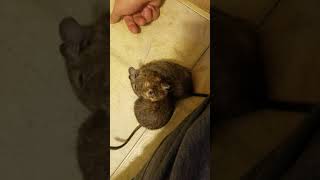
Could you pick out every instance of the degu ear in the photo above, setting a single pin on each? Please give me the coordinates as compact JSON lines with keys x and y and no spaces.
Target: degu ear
{"x":165,"y":86}
{"x":132,"y":73}
{"x":132,"y":70}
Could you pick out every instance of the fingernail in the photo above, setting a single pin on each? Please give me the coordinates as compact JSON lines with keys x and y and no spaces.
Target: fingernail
{"x":134,"y":30}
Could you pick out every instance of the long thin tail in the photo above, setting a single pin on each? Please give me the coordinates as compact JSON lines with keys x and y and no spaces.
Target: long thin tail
{"x":134,"y":131}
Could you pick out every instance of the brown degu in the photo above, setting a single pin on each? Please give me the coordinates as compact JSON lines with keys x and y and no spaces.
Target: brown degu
{"x":158,"y":85}
{"x":156,"y":79}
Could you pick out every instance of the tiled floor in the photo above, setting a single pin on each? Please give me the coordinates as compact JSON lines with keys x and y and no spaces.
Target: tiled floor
{"x":181,"y":34}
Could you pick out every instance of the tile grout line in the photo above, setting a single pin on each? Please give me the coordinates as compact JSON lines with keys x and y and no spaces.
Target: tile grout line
{"x":195,"y":9}
{"x":201,"y":55}
{"x":123,"y":160}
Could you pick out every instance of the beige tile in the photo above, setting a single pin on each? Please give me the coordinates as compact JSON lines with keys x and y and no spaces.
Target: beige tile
{"x":202,"y":4}
{"x":201,"y":74}
{"x":122,"y":119}
{"x":202,"y":7}
{"x":179,"y":33}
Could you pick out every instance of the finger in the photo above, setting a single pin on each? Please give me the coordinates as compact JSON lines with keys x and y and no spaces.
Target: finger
{"x":147,"y":14}
{"x":131,"y":24}
{"x":115,"y":17}
{"x":155,"y":12}
{"x":156,"y":3}
{"x":138,"y":19}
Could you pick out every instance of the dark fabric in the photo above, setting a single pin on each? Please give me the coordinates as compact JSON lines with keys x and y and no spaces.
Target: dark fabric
{"x":184,"y":153}
{"x":308,"y":164}
{"x":283,"y":157}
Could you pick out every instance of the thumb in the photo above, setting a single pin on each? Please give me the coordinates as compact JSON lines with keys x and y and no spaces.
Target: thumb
{"x":115,"y":17}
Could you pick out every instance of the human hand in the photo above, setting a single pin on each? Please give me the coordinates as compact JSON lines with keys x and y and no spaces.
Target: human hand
{"x":135,"y":13}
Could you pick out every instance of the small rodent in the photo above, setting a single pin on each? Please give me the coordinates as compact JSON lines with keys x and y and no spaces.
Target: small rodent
{"x":156,"y":79}
{"x":85,"y":50}
{"x":158,"y":85}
